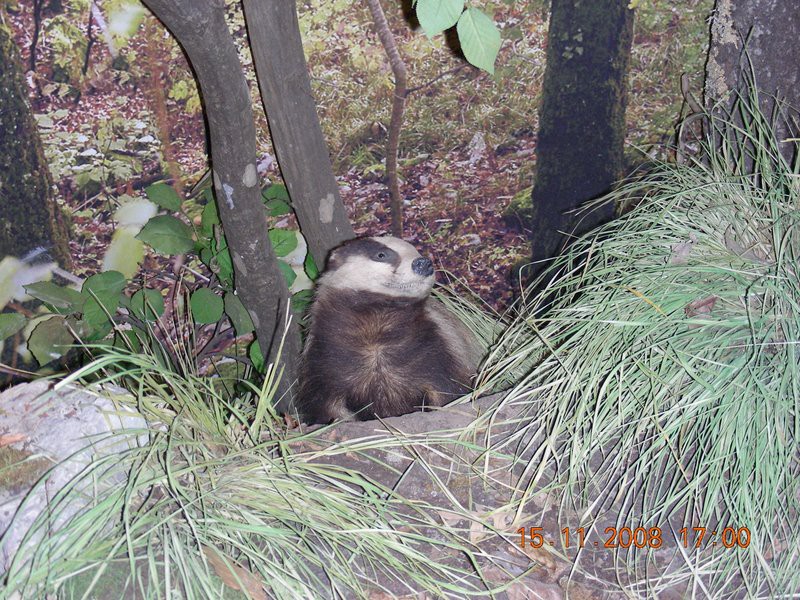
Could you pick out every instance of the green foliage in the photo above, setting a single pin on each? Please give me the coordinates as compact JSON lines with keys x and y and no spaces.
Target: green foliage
{"x":165,"y":196}
{"x":437,"y":15}
{"x":237,"y":313}
{"x":168,"y":235}
{"x":207,"y":307}
{"x":50,"y":339}
{"x":283,"y":241}
{"x":477,"y":33}
{"x":480,"y":39}
{"x":147,"y":305}
{"x":67,"y":44}
{"x":10,"y":323}
{"x":57,"y":298}
{"x":102,"y":297}
{"x":99,"y":154}
{"x":92,"y":313}
{"x":276,"y":199}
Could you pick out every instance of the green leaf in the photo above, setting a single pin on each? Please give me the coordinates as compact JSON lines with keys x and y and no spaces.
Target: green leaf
{"x":311,"y":267}
{"x":206,"y":306}
{"x":256,"y":357}
{"x":275,"y":191}
{"x":101,"y":295}
{"x":209,"y":218}
{"x":221,"y":262}
{"x":62,"y":299}
{"x":11,"y":323}
{"x":125,"y":252}
{"x":288,"y":273}
{"x":129,"y":339}
{"x":277,"y":207}
{"x":283,"y":241}
{"x":301,"y":301}
{"x":164,"y":195}
{"x":167,"y":235}
{"x":276,"y":199}
{"x":479,"y":37}
{"x":237,"y":313}
{"x":437,"y":15}
{"x":50,"y":340}
{"x":147,"y":305}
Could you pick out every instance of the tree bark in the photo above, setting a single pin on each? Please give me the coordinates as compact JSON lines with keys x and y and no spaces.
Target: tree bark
{"x":757,"y":42}
{"x":200,"y":28}
{"x":582,"y":119}
{"x":294,"y":126}
{"x":29,"y":214}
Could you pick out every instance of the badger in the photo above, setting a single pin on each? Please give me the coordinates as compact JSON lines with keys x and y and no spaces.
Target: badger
{"x":378,"y":345}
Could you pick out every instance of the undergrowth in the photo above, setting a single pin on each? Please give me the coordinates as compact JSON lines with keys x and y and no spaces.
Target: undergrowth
{"x":217,"y":495}
{"x":662,"y":381}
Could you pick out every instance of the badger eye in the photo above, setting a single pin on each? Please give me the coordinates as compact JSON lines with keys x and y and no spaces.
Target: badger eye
{"x":380,"y":255}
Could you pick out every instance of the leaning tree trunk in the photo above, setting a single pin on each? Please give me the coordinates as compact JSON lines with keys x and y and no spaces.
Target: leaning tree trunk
{"x":582,"y":117}
{"x":756,"y":42}
{"x":200,"y":28}
{"x":29,"y":214}
{"x":293,"y":124}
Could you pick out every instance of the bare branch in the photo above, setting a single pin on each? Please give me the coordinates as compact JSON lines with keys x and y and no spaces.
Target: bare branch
{"x":398,"y":106}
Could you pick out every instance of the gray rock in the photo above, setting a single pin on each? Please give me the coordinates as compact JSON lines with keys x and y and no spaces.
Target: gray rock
{"x":49,"y":434}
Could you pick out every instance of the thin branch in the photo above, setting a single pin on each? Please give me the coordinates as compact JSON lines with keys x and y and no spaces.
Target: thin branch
{"x":452,"y":71}
{"x":398,"y":106}
{"x":37,"y":27}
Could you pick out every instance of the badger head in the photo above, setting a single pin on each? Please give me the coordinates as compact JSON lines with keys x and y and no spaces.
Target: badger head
{"x":381,"y":265}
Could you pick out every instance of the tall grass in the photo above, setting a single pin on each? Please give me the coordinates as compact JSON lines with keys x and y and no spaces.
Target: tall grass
{"x":207,"y":507}
{"x":663,"y":383}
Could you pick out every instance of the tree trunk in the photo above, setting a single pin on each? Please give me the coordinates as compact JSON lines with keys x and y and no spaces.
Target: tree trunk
{"x":200,"y":28}
{"x":757,"y":42}
{"x":294,"y":126}
{"x":29,"y":214}
{"x":582,"y":119}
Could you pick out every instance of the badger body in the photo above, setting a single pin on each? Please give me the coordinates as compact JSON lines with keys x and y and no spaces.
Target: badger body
{"x":378,"y":344}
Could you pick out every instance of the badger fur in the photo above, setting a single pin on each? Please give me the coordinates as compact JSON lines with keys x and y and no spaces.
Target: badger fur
{"x":378,"y":344}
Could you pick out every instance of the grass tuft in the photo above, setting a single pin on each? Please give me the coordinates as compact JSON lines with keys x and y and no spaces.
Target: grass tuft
{"x":663,"y":382}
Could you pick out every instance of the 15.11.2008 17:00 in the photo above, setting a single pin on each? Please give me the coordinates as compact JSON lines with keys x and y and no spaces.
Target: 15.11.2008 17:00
{"x":640,"y":537}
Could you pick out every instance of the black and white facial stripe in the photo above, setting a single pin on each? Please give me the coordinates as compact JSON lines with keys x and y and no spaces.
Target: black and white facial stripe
{"x":383,"y":265}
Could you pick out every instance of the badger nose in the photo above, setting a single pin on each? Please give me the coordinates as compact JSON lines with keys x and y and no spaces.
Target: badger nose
{"x":422,"y":266}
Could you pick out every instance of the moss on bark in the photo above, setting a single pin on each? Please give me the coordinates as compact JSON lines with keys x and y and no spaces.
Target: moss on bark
{"x":582,"y":118}
{"x":29,"y":214}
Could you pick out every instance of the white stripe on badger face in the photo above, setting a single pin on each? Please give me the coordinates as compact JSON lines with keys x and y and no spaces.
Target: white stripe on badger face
{"x":361,"y":273}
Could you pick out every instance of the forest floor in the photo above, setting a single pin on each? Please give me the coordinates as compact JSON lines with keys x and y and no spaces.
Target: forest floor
{"x":467,"y":152}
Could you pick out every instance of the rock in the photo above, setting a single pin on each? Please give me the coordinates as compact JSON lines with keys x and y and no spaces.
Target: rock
{"x":56,"y":431}
{"x":472,"y":239}
{"x":477,"y":148}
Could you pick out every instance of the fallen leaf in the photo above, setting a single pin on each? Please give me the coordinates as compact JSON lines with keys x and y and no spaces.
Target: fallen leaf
{"x":235,"y":576}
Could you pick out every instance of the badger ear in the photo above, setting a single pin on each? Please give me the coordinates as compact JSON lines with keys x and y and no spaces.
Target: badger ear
{"x":334,"y":261}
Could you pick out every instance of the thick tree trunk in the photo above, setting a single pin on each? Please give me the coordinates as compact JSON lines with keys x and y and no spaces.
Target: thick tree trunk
{"x":582,"y":119}
{"x":757,"y":42}
{"x":294,"y":126}
{"x":29,"y":214}
{"x":200,"y":28}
